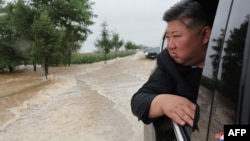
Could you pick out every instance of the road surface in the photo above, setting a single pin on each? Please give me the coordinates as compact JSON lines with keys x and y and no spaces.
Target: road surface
{"x":88,"y":102}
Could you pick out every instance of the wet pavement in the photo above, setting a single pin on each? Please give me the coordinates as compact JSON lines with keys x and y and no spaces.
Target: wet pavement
{"x":88,"y":102}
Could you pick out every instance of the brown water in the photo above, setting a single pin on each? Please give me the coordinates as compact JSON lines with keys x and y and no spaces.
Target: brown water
{"x":77,"y":103}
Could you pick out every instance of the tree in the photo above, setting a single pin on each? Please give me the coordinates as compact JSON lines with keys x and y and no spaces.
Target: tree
{"x":20,"y":17}
{"x":116,"y":42}
{"x":130,"y":45}
{"x":10,"y":56}
{"x":47,"y":39}
{"x":104,"y":43}
{"x":73,"y":16}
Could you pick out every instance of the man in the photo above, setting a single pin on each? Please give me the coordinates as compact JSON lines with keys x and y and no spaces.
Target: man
{"x":171,"y":91}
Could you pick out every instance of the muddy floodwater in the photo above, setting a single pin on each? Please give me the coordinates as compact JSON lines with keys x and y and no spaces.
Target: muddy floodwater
{"x":89,"y":102}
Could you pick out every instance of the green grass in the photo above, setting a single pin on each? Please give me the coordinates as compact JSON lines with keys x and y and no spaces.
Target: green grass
{"x":85,"y":58}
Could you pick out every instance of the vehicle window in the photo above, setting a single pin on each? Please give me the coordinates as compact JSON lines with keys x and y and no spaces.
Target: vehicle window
{"x":230,"y":68}
{"x":243,"y":108}
{"x":219,"y":91}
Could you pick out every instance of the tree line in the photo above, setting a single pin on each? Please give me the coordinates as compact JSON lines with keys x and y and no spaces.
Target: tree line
{"x":110,"y":40}
{"x":42,"y":32}
{"x":48,"y":32}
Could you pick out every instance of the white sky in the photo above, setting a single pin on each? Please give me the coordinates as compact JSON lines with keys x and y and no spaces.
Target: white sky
{"x":139,"y":21}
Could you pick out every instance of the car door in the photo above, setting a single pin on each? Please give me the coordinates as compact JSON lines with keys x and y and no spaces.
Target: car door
{"x":223,"y":94}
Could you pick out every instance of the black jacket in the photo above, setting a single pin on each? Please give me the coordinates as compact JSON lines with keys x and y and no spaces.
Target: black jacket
{"x":168,"y":77}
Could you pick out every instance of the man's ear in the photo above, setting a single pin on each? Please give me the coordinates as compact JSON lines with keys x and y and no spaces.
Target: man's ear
{"x":206,"y":32}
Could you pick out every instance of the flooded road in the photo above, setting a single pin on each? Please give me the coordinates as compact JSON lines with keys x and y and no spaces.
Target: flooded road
{"x":79,"y":103}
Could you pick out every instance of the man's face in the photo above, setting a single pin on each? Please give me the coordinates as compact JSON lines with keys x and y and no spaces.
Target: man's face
{"x":185,"y":45}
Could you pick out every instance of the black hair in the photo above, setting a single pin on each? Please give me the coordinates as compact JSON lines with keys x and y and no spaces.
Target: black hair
{"x":191,"y":13}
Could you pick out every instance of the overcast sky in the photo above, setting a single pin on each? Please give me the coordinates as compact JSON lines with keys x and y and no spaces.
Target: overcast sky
{"x":139,"y":21}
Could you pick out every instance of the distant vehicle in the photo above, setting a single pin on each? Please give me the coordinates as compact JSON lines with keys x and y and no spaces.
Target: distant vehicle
{"x":151,"y":52}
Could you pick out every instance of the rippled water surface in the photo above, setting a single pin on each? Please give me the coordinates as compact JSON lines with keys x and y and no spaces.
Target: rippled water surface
{"x":77,"y":103}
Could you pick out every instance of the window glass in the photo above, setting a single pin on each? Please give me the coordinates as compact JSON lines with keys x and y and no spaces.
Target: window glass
{"x":229,"y":73}
{"x":207,"y":88}
{"x":243,"y":107}
{"x":219,"y":91}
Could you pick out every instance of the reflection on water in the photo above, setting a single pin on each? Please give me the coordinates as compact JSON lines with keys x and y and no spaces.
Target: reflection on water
{"x":81,"y":102}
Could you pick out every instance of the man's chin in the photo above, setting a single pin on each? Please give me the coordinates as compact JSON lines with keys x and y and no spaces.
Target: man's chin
{"x":178,"y":61}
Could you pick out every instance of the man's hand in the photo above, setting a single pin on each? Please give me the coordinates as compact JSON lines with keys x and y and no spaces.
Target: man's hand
{"x":178,"y":108}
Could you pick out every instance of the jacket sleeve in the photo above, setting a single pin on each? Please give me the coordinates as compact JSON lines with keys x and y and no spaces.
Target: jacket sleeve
{"x":157,"y":83}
